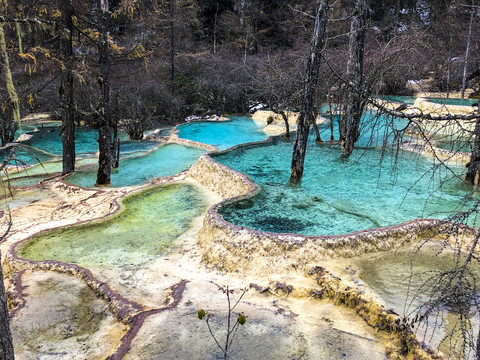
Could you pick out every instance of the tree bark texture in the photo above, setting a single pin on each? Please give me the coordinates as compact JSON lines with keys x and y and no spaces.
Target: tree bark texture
{"x":6,"y":344}
{"x":171,"y":5}
{"x":467,"y":51}
{"x":104,"y":128}
{"x":300,"y":146}
{"x":473,"y":170}
{"x":287,"y":125}
{"x":12,"y":94}
{"x":66,"y":89}
{"x":349,"y":131}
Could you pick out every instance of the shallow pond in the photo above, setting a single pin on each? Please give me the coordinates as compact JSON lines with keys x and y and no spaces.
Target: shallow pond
{"x":167,"y":160}
{"x":400,"y":277}
{"x":410,"y":100}
{"x":369,"y":190}
{"x":145,"y":230}
{"x":453,"y":101}
{"x":223,"y":134}
{"x":63,"y":319}
{"x":453,"y":144}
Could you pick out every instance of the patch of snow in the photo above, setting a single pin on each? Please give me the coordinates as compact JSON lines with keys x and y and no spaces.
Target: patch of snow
{"x":254,"y":106}
{"x":193,"y":117}
{"x":402,"y":27}
{"x":208,"y":118}
{"x":423,"y":10}
{"x":24,"y":137}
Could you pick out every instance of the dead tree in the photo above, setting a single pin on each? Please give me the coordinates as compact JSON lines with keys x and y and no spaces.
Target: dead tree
{"x":350,"y":123}
{"x":104,"y":116}
{"x":11,"y":115}
{"x":6,"y":343}
{"x":300,"y":146}
{"x":473,"y":167}
{"x":66,"y":89}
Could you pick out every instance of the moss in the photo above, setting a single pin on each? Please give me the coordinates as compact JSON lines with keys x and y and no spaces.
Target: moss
{"x":8,"y":78}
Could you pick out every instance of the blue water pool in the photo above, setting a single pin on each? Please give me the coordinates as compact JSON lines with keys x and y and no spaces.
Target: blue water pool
{"x":165,"y":161}
{"x":453,"y":101}
{"x":338,"y":196}
{"x":223,"y":134}
{"x":410,"y":100}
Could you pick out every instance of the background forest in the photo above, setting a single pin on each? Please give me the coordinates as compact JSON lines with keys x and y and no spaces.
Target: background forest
{"x":169,"y":60}
{"x":134,"y":65}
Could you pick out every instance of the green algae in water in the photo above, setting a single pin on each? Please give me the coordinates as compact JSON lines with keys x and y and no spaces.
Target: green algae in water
{"x":338,"y":196}
{"x":144,"y":230}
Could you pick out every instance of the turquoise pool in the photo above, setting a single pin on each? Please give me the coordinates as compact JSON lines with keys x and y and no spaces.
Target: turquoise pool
{"x":123,"y":240}
{"x":223,"y":134}
{"x":167,"y":160}
{"x":410,"y":100}
{"x":338,"y":196}
{"x":453,"y":101}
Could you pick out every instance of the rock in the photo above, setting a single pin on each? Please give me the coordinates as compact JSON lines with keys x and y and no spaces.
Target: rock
{"x":260,"y":289}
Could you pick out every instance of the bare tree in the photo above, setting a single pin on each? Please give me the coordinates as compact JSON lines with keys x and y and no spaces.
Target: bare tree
{"x":311,"y":78}
{"x":6,"y":343}
{"x":473,"y":167}
{"x":66,"y":88}
{"x":350,"y":123}
{"x":104,"y":115}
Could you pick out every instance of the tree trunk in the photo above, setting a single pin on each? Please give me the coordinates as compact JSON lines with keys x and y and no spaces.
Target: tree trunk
{"x":315,"y":127}
{"x":355,"y":97}
{"x":287,"y":125}
{"x":300,"y":146}
{"x":280,"y":111}
{"x":172,"y":40}
{"x":18,"y":27}
{"x":477,"y":348}
{"x":66,"y":89}
{"x":467,"y":51}
{"x":6,"y":344}
{"x":14,"y":102}
{"x":115,"y":147}
{"x":473,"y":169}
{"x":104,"y":129}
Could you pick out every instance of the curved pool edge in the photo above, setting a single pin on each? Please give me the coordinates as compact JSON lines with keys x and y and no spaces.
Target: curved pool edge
{"x":403,"y":341}
{"x":14,"y":265}
{"x":236,"y":248}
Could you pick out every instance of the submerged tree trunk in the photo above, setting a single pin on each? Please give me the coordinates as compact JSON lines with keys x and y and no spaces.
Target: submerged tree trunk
{"x":66,"y":89}
{"x":104,"y":128}
{"x":473,"y":169}
{"x":287,"y":125}
{"x":467,"y":51}
{"x":299,"y":149}
{"x":6,"y":344}
{"x":355,"y":98}
{"x":315,"y":127}
{"x":115,"y":147}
